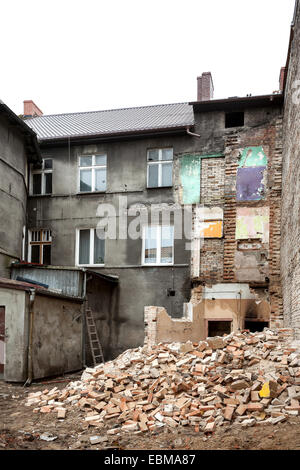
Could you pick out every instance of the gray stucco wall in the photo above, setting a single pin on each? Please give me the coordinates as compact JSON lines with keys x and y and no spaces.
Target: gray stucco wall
{"x":13,"y":194}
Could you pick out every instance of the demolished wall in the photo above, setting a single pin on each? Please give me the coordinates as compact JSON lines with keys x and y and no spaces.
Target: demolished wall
{"x":231,"y":303}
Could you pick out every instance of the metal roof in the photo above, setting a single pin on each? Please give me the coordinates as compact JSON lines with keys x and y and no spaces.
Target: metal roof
{"x":114,"y":121}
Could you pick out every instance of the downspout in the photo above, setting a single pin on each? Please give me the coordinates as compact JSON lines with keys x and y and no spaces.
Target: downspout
{"x":84,"y":307}
{"x":192,"y":133}
{"x":30,"y":355}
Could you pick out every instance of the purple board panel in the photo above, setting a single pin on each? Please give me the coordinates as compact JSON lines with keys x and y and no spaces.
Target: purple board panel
{"x":250,"y":184}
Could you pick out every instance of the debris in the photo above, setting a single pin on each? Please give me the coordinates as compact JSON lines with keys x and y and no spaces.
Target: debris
{"x":206,"y":385}
{"x":47,"y":436}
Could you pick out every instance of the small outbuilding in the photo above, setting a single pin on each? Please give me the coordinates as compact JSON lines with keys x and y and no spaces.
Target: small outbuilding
{"x":41,"y":332}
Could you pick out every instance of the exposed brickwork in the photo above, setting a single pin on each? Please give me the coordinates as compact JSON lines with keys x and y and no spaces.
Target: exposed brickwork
{"x":211,"y":263}
{"x":212,"y":181}
{"x":290,"y":224}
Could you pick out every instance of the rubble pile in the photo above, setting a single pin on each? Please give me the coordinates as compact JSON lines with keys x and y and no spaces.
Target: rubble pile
{"x":246,"y":378}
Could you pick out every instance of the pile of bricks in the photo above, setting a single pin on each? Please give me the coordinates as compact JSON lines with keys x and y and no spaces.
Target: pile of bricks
{"x":246,"y":378}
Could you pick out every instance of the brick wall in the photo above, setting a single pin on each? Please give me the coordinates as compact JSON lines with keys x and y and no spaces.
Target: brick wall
{"x":290,"y":223}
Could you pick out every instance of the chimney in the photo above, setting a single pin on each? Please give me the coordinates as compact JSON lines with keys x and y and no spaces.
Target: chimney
{"x":31,"y":109}
{"x":282,"y":78}
{"x":205,"y":87}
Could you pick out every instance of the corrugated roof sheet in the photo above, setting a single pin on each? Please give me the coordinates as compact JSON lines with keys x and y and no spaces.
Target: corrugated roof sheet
{"x":115,"y":121}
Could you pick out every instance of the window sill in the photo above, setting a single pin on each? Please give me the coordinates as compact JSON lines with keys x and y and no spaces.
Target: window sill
{"x":86,"y":193}
{"x":90,"y":265}
{"x":160,"y":187}
{"x":41,"y":195}
{"x":157,"y":265}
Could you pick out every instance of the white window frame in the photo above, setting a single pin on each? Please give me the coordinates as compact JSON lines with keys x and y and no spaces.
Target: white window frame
{"x":160,"y":162}
{"x":46,"y":239}
{"x":158,"y":246}
{"x":93,"y":167}
{"x":92,"y":242}
{"x":41,"y":171}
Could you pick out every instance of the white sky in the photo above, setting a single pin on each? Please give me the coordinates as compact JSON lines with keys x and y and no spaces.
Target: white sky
{"x":84,"y":55}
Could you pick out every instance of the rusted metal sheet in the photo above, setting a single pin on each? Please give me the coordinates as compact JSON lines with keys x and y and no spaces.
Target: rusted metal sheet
{"x":65,"y":281}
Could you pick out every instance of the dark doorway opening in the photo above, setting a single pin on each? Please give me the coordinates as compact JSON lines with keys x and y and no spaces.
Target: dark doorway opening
{"x":256,"y":326}
{"x":219,"y":328}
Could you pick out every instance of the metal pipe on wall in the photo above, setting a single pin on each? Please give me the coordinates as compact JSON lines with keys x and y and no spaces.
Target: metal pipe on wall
{"x":30,"y":342}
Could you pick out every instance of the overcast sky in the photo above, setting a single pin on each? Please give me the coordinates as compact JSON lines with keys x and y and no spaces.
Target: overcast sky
{"x":84,"y":55}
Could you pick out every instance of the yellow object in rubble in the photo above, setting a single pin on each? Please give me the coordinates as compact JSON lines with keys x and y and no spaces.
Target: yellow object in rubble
{"x":265,"y":391}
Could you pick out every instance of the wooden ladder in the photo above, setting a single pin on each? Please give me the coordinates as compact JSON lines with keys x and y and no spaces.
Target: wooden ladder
{"x":95,"y":344}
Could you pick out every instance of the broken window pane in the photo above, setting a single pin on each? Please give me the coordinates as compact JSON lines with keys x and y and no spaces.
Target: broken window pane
{"x":167,"y":174}
{"x":100,"y":179}
{"x":84,"y":247}
{"x":85,"y":180}
{"x":153,"y":176}
{"x":150,"y":244}
{"x":99,"y":249}
{"x":37,"y":183}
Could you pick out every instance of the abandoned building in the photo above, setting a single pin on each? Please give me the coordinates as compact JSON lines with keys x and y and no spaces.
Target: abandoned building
{"x":220,"y":157}
{"x":143,"y":170}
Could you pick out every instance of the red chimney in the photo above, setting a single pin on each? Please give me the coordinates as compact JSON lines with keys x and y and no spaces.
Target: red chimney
{"x":205,"y":87}
{"x":282,"y":78}
{"x":31,"y":109}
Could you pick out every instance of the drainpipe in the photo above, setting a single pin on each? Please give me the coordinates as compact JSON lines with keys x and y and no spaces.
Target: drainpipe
{"x":84,"y":307}
{"x":30,"y":356}
{"x":192,"y":133}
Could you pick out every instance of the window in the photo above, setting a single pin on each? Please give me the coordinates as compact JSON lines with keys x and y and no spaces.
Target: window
{"x":41,"y":181}
{"x":160,"y":167}
{"x":92,"y":173}
{"x":90,"y":249}
{"x":158,"y":241}
{"x":40,"y":246}
{"x":234,"y":119}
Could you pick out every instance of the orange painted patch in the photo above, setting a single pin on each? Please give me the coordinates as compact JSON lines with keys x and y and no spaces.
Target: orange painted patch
{"x":211,"y":229}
